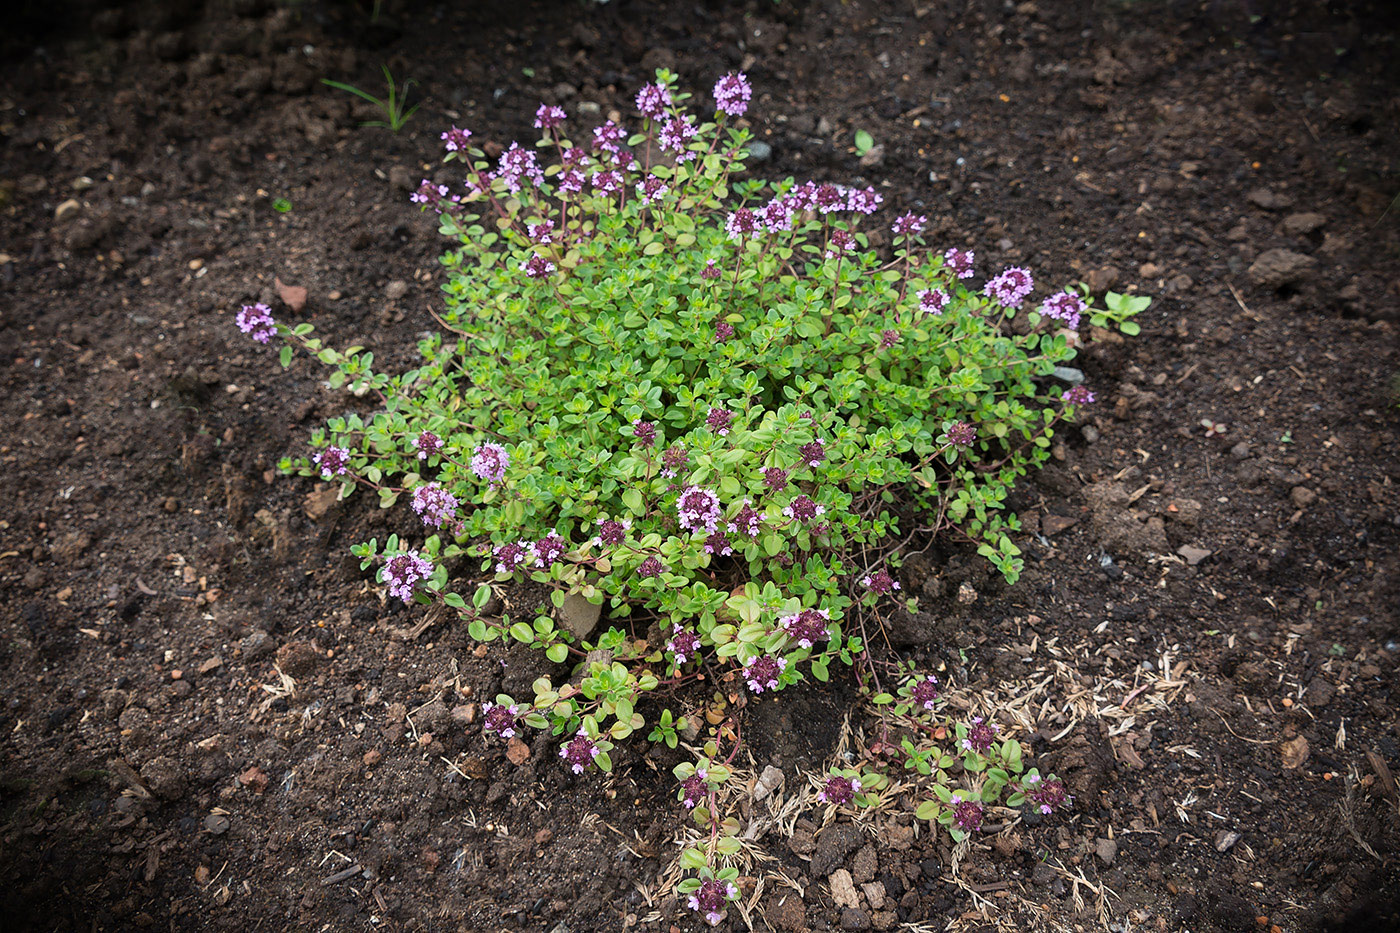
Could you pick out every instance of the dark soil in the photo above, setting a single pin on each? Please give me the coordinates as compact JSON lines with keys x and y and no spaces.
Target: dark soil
{"x":156,"y":771}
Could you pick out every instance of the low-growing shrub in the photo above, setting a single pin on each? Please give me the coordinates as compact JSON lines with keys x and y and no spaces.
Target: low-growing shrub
{"x":704,"y":402}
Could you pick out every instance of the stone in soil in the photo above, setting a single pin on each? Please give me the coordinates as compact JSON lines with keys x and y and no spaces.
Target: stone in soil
{"x":579,"y":616}
{"x":843,"y":890}
{"x":1106,"y":850}
{"x":1269,"y":200}
{"x":1302,"y":224}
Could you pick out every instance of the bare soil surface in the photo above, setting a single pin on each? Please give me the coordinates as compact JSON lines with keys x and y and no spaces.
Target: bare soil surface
{"x":212,"y":719}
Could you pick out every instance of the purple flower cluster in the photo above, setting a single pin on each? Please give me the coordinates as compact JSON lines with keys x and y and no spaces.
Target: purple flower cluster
{"x":909,"y":224}
{"x":651,"y":568}
{"x":961,"y":434}
{"x":694,"y":789}
{"x":880,"y":582}
{"x":808,"y":626}
{"x":455,"y":140}
{"x":516,"y":166}
{"x":839,"y":243}
{"x":732,"y":94}
{"x":579,"y":751}
{"x":651,"y":188}
{"x":723,"y":331}
{"x":499,"y":719}
{"x":960,"y":261}
{"x":427,"y":444}
{"x":742,"y":223}
{"x":718,"y":543}
{"x":839,"y":790}
{"x":698,"y":510}
{"x":813,"y":453}
{"x":746,"y":521}
{"x":719,"y":420}
{"x":673,"y":461}
{"x":256,"y":321}
{"x":333,"y":461}
{"x":711,"y":271}
{"x":644,"y":433}
{"x":510,"y":556}
{"x":776,"y":478}
{"x":548,"y":117}
{"x":967,"y":813}
{"x":684,"y":644}
{"x":933,"y":300}
{"x":537,"y":267}
{"x":1079,"y":395}
{"x":1010,"y":287}
{"x":608,"y":182}
{"x":676,"y":134}
{"x":609,"y":138}
{"x":762,"y":672}
{"x":1048,"y":796}
{"x":403,"y":571}
{"x":924,"y":691}
{"x":653,"y":100}
{"x":710,"y":898}
{"x":428,"y":193}
{"x":489,"y":462}
{"x":611,"y":531}
{"x":1065,"y":306}
{"x":549,"y":549}
{"x":542,"y":232}
{"x":804,"y":509}
{"x":980,"y":736}
{"x":435,"y":505}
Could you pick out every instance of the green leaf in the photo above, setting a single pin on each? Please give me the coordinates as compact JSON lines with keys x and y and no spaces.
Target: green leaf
{"x":522,"y":632}
{"x":864,"y":142}
{"x":285,"y":356}
{"x":557,"y":653}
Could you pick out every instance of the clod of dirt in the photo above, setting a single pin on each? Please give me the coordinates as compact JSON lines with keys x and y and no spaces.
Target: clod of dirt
{"x":1302,"y":496}
{"x":785,"y":911}
{"x":298,"y":658}
{"x":255,"y":644}
{"x":833,"y":845}
{"x":1106,"y":850}
{"x":165,"y":777}
{"x":853,"y":918}
{"x":396,"y":289}
{"x":1084,"y":763}
{"x":864,"y":865}
{"x":1276,"y":268}
{"x":517,"y":752}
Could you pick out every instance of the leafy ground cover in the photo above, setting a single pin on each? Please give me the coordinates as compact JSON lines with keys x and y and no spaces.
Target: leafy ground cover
{"x":213,"y":719}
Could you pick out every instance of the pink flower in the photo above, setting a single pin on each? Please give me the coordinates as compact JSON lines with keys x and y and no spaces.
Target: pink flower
{"x":839,"y":790}
{"x":960,"y":262}
{"x":256,"y":321}
{"x":537,"y":267}
{"x":698,"y":509}
{"x":548,"y":117}
{"x":741,"y":223}
{"x":732,"y":94}
{"x":402,"y":571}
{"x":652,"y":101}
{"x":333,"y":461}
{"x":808,"y":626}
{"x":933,"y":300}
{"x":435,"y":505}
{"x":762,"y":672}
{"x":1079,"y":395}
{"x":579,"y":751}
{"x":1010,"y":287}
{"x":427,"y":444}
{"x":489,"y":462}
{"x":909,"y":224}
{"x":880,"y":583}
